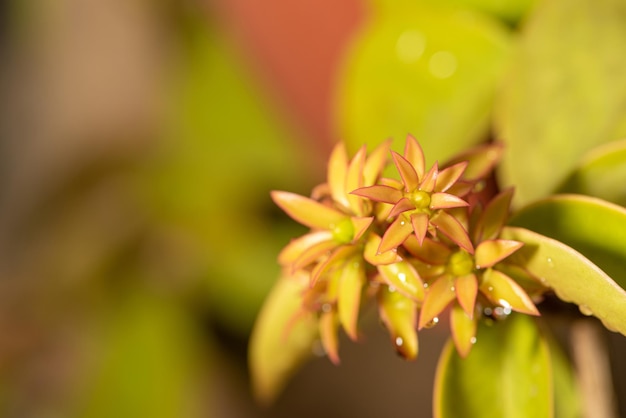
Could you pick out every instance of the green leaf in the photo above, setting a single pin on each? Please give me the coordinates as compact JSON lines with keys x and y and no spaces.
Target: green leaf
{"x":507,"y":374}
{"x":572,"y":276}
{"x":430,"y":72}
{"x":282,"y":337}
{"x":601,"y":173}
{"x":565,"y":385}
{"x":557,"y":103}
{"x":593,"y":227}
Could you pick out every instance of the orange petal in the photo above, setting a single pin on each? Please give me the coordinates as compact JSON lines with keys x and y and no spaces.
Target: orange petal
{"x":313,"y":253}
{"x":349,"y":295}
{"x":430,"y":179}
{"x":372,"y":255}
{"x":354,"y":180}
{"x":420,"y":225}
{"x":504,"y":291}
{"x":403,"y":277}
{"x":328,"y":327}
{"x":463,"y":329}
{"x":334,"y":260}
{"x":403,"y":205}
{"x":437,"y":298}
{"x":449,"y":226}
{"x":399,"y":314}
{"x":494,"y":216}
{"x":375,"y":163}
{"x":491,"y":252}
{"x":407,"y":172}
{"x":415,"y":155}
{"x":379,"y":193}
{"x":298,"y":246}
{"x":337,"y":172}
{"x":395,"y":234}
{"x":446,"y":201}
{"x":448,"y":176}
{"x":307,"y":211}
{"x":466,"y":288}
{"x":430,"y":251}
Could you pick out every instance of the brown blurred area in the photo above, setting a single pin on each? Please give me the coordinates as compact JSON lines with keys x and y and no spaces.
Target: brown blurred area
{"x":117,"y":242}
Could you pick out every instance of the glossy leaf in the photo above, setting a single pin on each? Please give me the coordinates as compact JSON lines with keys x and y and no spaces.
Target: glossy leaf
{"x":572,"y":276}
{"x":415,"y":73}
{"x":307,"y":211}
{"x":593,"y":227}
{"x":601,"y":173}
{"x":281,"y":339}
{"x":349,"y":295}
{"x":404,"y":278}
{"x":491,"y":252}
{"x":438,"y":297}
{"x":463,"y":329}
{"x":506,"y":374}
{"x":558,"y":103}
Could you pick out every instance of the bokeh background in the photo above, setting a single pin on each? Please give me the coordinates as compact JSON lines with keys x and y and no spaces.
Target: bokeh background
{"x":140,"y":140}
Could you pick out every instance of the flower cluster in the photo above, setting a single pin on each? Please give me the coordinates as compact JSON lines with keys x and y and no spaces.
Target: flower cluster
{"x":417,"y":245}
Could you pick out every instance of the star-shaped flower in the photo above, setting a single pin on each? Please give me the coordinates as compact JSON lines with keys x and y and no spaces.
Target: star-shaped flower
{"x":420,"y":201}
{"x":454,"y":274}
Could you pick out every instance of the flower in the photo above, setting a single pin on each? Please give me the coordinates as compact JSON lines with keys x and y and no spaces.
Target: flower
{"x":419,"y":200}
{"x":454,"y":274}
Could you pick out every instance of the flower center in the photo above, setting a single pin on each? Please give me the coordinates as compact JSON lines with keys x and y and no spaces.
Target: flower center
{"x":343,"y":232}
{"x":420,"y":199}
{"x":460,"y":263}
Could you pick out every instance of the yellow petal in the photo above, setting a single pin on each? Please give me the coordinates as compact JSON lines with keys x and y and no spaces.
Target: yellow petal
{"x":372,"y":255}
{"x":466,"y":288}
{"x":329,"y":325}
{"x":349,"y":296}
{"x":354,"y":180}
{"x":292,"y":251}
{"x":504,"y":291}
{"x":307,"y":211}
{"x":375,"y":163}
{"x":360,"y":225}
{"x":463,"y":329}
{"x":491,"y":252}
{"x":437,"y":298}
{"x":429,"y":251}
{"x":313,"y":253}
{"x":403,"y":277}
{"x":337,"y":173}
{"x":399,"y":314}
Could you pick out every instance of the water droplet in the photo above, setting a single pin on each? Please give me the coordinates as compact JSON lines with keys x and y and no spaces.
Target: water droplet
{"x":410,"y":46}
{"x":585,"y":310}
{"x":550,"y":262}
{"x":326,"y":307}
{"x":473,"y":340}
{"x":452,"y":288}
{"x":442,"y":64}
{"x":391,"y":289}
{"x":432,"y":323}
{"x":490,"y":288}
{"x":399,"y":341}
{"x":402,"y":277}
{"x":487,"y":311}
{"x":402,"y":223}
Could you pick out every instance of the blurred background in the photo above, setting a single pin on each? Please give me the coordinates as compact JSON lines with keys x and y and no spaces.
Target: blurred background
{"x":140,"y":140}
